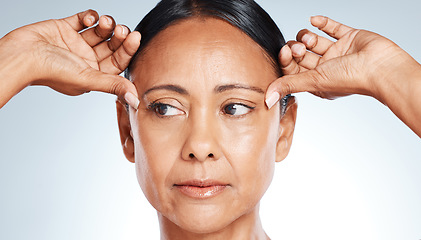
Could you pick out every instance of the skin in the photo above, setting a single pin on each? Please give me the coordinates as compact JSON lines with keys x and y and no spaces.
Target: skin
{"x":55,"y":53}
{"x":359,"y":62}
{"x":58,"y":53}
{"x":201,"y":141}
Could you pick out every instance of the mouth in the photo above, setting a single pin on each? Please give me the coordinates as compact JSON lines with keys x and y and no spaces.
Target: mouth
{"x":201,"y":189}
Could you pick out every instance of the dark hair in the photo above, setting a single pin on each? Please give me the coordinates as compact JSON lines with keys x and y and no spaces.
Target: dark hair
{"x":246,"y":15}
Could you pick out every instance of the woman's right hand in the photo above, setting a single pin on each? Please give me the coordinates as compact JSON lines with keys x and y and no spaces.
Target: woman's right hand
{"x":69,"y":56}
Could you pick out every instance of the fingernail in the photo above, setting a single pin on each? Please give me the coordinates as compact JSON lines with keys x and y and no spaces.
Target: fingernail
{"x":123,"y":30}
{"x":298,"y":49}
{"x":91,"y":19}
{"x":132,"y":100}
{"x":307,"y":39}
{"x":317,"y":20}
{"x":272,"y":99}
{"x":284,"y":49}
{"x":109,"y":21}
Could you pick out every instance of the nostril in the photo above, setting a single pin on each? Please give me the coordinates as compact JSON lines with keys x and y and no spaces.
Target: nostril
{"x":210,"y":155}
{"x":191,"y":155}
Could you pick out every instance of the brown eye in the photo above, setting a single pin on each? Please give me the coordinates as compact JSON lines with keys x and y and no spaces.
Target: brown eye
{"x":165,"y":110}
{"x":236,"y":109}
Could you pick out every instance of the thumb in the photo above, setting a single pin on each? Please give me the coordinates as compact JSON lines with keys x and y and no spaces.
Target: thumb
{"x":114,"y":84}
{"x":307,"y":81}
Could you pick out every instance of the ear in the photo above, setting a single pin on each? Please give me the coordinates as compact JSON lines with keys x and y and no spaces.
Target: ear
{"x":126,"y":135}
{"x":286,"y":130}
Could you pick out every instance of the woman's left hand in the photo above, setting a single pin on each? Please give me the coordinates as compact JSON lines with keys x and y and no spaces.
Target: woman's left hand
{"x":359,"y":62}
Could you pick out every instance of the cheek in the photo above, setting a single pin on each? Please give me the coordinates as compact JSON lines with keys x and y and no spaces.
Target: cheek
{"x":250,"y":147}
{"x":156,"y":152}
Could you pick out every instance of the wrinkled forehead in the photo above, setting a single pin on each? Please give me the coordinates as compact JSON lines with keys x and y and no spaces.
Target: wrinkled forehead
{"x":207,"y":50}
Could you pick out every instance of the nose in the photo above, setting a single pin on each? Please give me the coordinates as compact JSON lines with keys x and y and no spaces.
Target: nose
{"x":201,"y":141}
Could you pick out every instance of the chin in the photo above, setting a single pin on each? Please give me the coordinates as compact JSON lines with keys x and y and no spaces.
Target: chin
{"x":202,"y":218}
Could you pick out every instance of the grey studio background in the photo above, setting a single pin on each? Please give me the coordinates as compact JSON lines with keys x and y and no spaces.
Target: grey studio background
{"x":353,"y":171}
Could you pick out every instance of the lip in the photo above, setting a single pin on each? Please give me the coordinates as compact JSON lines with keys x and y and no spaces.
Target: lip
{"x":201,"y":189}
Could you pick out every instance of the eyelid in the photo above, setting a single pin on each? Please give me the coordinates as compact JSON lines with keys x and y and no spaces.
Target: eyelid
{"x":154,"y":104}
{"x":240,"y":101}
{"x":251,"y":108}
{"x":165,"y":100}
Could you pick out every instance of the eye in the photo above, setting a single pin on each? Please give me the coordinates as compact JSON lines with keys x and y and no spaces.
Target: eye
{"x":166,"y":110}
{"x":236,"y":109}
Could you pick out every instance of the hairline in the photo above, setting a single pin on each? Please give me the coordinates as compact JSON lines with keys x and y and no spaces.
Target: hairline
{"x":200,"y":16}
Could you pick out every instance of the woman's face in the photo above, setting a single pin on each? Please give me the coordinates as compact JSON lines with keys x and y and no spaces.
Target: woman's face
{"x":203,"y":141}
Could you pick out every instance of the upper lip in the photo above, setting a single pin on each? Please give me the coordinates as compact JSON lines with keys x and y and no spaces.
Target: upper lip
{"x":201,"y":183}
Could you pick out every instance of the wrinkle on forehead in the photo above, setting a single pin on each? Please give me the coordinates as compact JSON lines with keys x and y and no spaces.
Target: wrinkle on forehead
{"x":211,"y":45}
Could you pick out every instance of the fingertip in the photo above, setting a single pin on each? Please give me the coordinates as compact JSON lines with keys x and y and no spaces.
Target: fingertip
{"x":298,"y":50}
{"x":90,"y":17}
{"x":317,"y":20}
{"x":89,"y":20}
{"x":272,"y":99}
{"x":284,"y":50}
{"x":137,"y":35}
{"x":133,"y":42}
{"x":308,"y":39}
{"x":132,"y":100}
{"x":285,"y":55}
{"x":125,"y":30}
{"x":121,"y":32}
{"x":106,"y":22}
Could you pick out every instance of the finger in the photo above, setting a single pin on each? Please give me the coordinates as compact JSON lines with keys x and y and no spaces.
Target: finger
{"x":314,"y":42}
{"x":100,"y":32}
{"x":82,"y":20}
{"x":288,"y":64}
{"x":120,"y":59}
{"x":330,"y":27}
{"x":105,"y":49}
{"x":309,"y":60}
{"x":302,"y":82}
{"x":298,"y":49}
{"x":299,"y":52}
{"x":114,"y":84}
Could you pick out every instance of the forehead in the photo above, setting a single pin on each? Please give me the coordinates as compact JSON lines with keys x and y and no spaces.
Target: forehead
{"x":204,"y":51}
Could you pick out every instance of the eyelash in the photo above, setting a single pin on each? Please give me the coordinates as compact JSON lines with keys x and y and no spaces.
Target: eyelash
{"x":153,"y":107}
{"x":240,"y":104}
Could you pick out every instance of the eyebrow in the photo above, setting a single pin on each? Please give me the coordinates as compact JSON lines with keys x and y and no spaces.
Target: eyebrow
{"x":169,"y":87}
{"x":223,"y":88}
{"x":217,"y":89}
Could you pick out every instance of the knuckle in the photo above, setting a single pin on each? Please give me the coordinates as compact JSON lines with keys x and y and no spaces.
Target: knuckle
{"x":288,"y":88}
{"x":336,"y":29}
{"x":301,"y":33}
{"x":299,"y":60}
{"x":128,"y":48}
{"x":324,"y":23}
{"x":318,"y":78}
{"x":111,"y":46}
{"x":115,"y":87}
{"x":315,"y":42}
{"x":116,"y":63}
{"x":97,"y":32}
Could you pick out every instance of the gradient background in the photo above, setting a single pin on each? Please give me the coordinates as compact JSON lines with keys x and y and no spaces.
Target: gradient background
{"x":354,"y":170}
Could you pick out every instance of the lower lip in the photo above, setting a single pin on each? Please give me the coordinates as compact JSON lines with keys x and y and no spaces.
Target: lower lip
{"x":201,"y":192}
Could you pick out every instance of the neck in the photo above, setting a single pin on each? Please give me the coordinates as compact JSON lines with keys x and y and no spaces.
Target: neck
{"x":247,"y":226}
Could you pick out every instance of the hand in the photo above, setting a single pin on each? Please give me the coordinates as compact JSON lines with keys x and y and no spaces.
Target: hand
{"x":59,"y":54}
{"x":359,"y":62}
